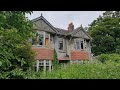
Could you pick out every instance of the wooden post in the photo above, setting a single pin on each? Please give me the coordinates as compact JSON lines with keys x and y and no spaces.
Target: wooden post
{"x":49,"y":65}
{"x":44,"y":65}
{"x":89,"y":51}
{"x":44,"y":39}
{"x":37,"y":65}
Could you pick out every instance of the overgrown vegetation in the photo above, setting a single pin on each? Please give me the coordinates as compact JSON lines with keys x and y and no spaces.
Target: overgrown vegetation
{"x":15,"y":50}
{"x":105,"y":33}
{"x":105,"y":67}
{"x":56,"y":61}
{"x":16,"y":55}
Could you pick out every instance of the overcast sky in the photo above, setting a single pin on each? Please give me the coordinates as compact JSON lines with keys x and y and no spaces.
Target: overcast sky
{"x":61,"y":19}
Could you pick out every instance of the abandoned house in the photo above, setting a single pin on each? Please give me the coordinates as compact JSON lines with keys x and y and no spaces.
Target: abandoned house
{"x":72,"y":45}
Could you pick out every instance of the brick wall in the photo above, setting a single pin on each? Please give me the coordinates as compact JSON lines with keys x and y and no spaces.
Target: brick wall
{"x":79,"y":55}
{"x":43,"y":53}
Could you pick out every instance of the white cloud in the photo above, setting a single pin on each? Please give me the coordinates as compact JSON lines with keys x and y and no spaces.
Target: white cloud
{"x":61,"y":19}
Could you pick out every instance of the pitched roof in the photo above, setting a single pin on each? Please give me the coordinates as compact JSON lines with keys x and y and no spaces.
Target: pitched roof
{"x":62,"y":31}
{"x":77,"y":29}
{"x":71,"y":33}
{"x":41,"y":17}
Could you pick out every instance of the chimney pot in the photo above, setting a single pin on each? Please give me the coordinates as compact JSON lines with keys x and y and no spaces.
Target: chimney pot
{"x":70,"y":27}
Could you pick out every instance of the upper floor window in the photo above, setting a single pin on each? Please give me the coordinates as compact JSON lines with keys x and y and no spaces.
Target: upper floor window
{"x":78,"y":45}
{"x":41,"y":39}
{"x":81,"y":44}
{"x":60,"y":44}
{"x":46,"y":40}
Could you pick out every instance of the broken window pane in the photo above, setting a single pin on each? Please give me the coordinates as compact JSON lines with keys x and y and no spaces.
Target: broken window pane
{"x":61,"y":45}
{"x":41,"y":39}
{"x":81,"y":44}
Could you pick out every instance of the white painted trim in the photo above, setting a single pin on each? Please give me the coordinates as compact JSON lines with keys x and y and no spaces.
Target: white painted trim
{"x":49,"y":65}
{"x":44,"y":65}
{"x":44,"y":39}
{"x":37,"y":65}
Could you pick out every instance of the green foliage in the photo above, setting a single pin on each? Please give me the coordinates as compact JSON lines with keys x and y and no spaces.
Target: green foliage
{"x":103,"y":58}
{"x":87,"y":71}
{"x":15,"y":50}
{"x":17,"y":20}
{"x":113,"y":14}
{"x":105,"y":35}
{"x":55,"y":61}
{"x":109,"y":58}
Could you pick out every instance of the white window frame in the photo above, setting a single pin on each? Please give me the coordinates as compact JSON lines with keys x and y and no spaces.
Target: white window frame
{"x":61,"y":40}
{"x":44,"y":36}
{"x":75,"y":45}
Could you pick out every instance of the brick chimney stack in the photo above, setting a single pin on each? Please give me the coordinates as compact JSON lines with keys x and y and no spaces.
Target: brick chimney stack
{"x":71,"y":27}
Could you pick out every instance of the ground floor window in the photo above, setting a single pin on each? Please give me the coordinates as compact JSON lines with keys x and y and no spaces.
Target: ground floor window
{"x":43,"y":65}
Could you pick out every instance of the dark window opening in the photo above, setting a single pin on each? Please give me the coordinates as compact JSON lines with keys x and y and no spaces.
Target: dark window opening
{"x":41,"y":41}
{"x":60,"y":45}
{"x":81,"y":44}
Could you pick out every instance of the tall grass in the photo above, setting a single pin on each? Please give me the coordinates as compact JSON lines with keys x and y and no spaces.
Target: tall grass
{"x":105,"y":67}
{"x":87,"y":71}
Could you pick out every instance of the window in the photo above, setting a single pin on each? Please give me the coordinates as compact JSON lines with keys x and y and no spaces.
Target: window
{"x":47,"y":63}
{"x":41,"y":39}
{"x":46,"y":39}
{"x":61,"y":44}
{"x":46,"y":42}
{"x":78,"y":44}
{"x":81,"y":44}
{"x":41,"y":63}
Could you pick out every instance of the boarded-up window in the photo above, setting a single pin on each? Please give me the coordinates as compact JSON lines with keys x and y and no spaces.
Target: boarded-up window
{"x":46,"y":42}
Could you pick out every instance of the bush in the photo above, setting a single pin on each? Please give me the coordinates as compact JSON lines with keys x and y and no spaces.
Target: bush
{"x":103,"y":58}
{"x":108,"y":57}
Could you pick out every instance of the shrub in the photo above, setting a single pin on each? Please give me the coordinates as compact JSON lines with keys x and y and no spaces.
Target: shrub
{"x":108,"y":57}
{"x":103,"y":58}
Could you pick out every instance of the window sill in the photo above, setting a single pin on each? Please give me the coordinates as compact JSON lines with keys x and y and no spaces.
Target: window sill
{"x":79,"y":49}
{"x":62,"y":51}
{"x":40,"y":46}
{"x":37,"y":45}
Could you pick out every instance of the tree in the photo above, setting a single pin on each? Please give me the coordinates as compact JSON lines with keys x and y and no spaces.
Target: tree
{"x":105,"y":34}
{"x":113,"y":14}
{"x":15,"y":50}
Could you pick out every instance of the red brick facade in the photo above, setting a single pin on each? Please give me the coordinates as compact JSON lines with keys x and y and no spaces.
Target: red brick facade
{"x":47,"y":54}
{"x":79,"y":55}
{"x":43,"y":53}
